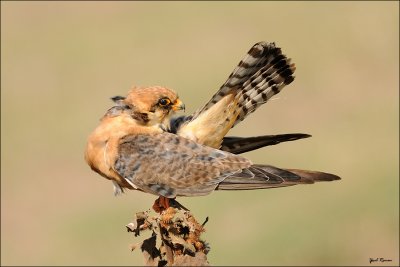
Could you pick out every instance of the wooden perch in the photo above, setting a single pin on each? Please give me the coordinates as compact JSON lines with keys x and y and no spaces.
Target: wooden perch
{"x":175,"y":238}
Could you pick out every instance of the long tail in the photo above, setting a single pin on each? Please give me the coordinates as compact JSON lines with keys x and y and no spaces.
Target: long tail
{"x":238,"y":145}
{"x":265,"y":176}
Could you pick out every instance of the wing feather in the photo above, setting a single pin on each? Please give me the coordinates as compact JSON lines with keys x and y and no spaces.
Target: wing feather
{"x":261,"y":74}
{"x":169,"y":165}
{"x":266,"y":176}
{"x":238,"y":145}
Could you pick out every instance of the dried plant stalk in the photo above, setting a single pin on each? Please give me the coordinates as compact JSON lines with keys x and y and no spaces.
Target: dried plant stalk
{"x":175,"y":238}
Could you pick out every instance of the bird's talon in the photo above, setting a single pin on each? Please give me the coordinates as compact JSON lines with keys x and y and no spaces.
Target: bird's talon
{"x":161,"y":204}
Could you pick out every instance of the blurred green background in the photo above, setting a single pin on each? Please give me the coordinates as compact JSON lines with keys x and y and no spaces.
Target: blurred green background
{"x":61,"y":61}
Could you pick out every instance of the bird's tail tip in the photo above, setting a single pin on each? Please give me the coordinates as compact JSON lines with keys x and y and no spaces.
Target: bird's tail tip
{"x":316,"y":176}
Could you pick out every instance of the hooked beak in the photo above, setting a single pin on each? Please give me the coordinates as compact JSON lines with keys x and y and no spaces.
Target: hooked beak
{"x":178,"y":105}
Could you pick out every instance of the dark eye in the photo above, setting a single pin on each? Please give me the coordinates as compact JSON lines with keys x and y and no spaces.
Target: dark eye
{"x":164,"y":102}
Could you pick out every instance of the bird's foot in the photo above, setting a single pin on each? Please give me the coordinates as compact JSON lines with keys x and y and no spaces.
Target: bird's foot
{"x":163,"y":203}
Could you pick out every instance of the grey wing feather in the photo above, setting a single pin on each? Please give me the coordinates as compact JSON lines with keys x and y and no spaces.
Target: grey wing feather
{"x":265,"y":176}
{"x":168,"y":165}
{"x":238,"y":145}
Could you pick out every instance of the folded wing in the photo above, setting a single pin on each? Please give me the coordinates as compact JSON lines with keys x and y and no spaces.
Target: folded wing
{"x":168,"y":165}
{"x":265,"y":176}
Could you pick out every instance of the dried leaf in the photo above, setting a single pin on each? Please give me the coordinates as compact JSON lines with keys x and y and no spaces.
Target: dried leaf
{"x":140,"y":220}
{"x":149,"y":247}
{"x":177,"y":234}
{"x":178,"y":240}
{"x":167,"y":253}
{"x":130,"y":227}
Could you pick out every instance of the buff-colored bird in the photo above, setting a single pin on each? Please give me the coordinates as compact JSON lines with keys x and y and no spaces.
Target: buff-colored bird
{"x":139,"y":145}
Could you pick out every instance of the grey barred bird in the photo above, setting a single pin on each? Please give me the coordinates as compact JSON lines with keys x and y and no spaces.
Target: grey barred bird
{"x":140,"y":145}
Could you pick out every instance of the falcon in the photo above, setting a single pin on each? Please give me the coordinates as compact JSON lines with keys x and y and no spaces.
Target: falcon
{"x":140,"y":144}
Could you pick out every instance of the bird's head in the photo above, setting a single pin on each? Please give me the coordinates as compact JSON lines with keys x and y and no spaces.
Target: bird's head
{"x":152,"y":105}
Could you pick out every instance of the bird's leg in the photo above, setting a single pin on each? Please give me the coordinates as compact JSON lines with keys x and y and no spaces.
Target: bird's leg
{"x":161,"y":204}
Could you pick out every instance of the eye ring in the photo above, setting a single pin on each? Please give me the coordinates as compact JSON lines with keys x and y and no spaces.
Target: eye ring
{"x":164,"y":102}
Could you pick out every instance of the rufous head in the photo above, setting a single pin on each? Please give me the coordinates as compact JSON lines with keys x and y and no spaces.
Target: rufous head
{"x":151,"y":105}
